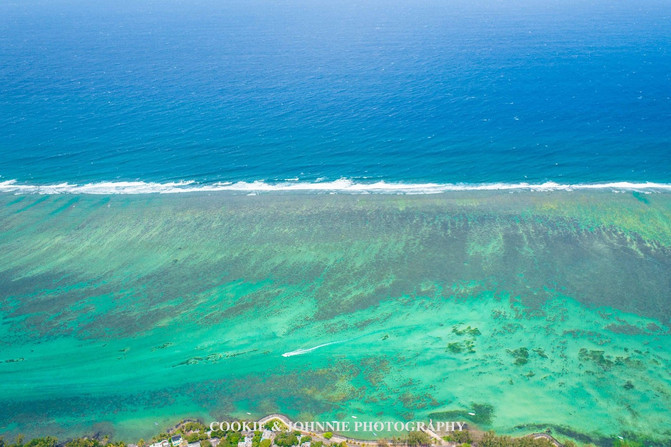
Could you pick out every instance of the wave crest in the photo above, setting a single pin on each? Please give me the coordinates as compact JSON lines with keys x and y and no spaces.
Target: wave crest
{"x":336,"y":186}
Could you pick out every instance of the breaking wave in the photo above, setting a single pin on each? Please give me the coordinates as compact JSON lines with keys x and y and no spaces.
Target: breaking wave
{"x":336,"y":186}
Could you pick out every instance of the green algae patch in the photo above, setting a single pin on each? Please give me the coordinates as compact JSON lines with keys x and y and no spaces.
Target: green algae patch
{"x":466,"y":331}
{"x":637,"y":215}
{"x":521,"y":355}
{"x":458,"y":347}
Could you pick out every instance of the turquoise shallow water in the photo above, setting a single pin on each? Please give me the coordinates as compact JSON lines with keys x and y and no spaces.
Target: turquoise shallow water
{"x":122,"y":314}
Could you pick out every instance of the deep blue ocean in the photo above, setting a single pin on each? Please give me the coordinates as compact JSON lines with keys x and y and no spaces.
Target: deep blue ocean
{"x":316,"y":91}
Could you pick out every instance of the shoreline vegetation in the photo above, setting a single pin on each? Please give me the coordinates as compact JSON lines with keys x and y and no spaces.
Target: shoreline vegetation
{"x":277,"y":433}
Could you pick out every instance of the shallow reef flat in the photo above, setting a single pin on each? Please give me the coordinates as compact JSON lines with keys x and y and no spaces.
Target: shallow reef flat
{"x":526,"y":309}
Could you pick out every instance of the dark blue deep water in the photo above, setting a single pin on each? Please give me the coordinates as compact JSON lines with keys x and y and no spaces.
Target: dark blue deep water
{"x":400,"y":91}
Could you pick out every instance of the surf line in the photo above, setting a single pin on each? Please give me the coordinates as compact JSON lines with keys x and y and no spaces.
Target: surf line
{"x":306,"y":350}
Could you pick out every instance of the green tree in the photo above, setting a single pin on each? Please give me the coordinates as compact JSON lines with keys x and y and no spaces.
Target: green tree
{"x":265,"y":443}
{"x":18,"y":441}
{"x":194,"y":426}
{"x":328,"y":435}
{"x":491,"y":440}
{"x":462,"y":437}
{"x":49,"y":441}
{"x":256,"y":440}
{"x":270,"y":425}
{"x":418,"y":438}
{"x":286,"y":439}
{"x":160,"y":437}
{"x":221,"y":434}
{"x":83,"y":442}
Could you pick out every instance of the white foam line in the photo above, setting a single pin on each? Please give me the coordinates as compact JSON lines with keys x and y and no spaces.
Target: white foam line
{"x":305,"y":351}
{"x":337,"y":186}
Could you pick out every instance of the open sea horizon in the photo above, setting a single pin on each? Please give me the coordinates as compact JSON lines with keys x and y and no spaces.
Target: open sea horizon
{"x":397,"y":92}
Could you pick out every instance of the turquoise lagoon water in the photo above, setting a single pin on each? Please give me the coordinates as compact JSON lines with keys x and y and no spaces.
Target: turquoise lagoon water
{"x":122,"y":314}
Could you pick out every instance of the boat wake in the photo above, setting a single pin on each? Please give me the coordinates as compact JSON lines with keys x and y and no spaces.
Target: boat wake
{"x":307,"y":350}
